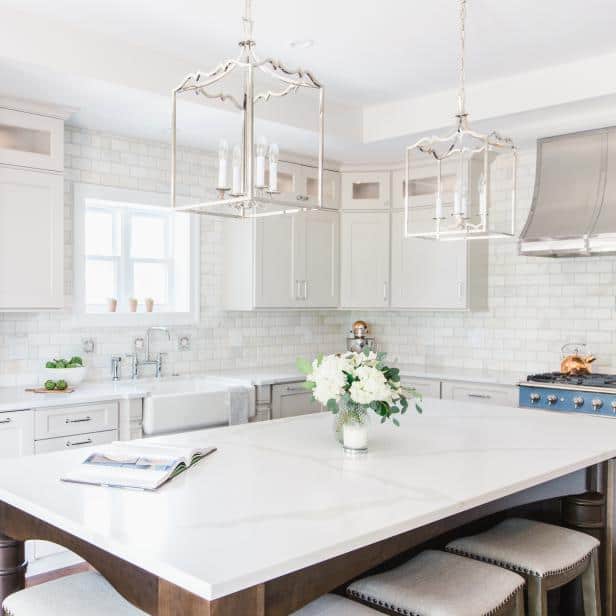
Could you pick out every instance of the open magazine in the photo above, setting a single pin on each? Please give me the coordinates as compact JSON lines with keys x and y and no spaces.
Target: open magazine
{"x":142,"y":466}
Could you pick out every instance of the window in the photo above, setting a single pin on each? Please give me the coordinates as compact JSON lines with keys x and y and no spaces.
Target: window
{"x":130,"y":244}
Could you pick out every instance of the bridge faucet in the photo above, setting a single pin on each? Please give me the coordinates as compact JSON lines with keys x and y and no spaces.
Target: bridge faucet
{"x":148,"y":333}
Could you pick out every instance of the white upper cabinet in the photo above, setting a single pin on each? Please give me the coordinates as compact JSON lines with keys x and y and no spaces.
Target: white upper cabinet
{"x":300,"y":183}
{"x":429,"y":274}
{"x":426,"y":274}
{"x":366,"y":190}
{"x":364,"y":251}
{"x":31,"y":239}
{"x":31,"y":140}
{"x":287,"y":261}
{"x":31,"y":206}
{"x":275,"y":266}
{"x":321,"y":260}
{"x":331,"y":187}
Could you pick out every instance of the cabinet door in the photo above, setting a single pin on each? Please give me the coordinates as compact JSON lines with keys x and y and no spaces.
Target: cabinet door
{"x":365,"y":191}
{"x":426,"y":274}
{"x":428,"y":388}
{"x":16,"y":434}
{"x":331,"y":187}
{"x":291,"y":183}
{"x":31,"y":239}
{"x":320,"y":287}
{"x":292,"y":399}
{"x":277,"y":273}
{"x":364,"y":251}
{"x":30,"y":140}
{"x":480,"y":393}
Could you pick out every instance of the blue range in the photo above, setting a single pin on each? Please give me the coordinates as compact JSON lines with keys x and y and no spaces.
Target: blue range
{"x":594,"y":394}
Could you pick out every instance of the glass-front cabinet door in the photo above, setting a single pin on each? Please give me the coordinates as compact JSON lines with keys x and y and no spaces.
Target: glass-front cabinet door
{"x":30,"y":140}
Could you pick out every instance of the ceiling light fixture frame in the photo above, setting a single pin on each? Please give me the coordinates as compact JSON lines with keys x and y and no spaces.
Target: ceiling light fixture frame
{"x":252,"y":201}
{"x":463,"y":146}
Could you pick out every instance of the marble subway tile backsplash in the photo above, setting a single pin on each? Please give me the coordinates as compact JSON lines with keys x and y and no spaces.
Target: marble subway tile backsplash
{"x":535,"y":304}
{"x":220,"y":340}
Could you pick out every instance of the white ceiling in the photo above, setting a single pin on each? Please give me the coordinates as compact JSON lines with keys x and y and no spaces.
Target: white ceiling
{"x":534,"y":67}
{"x":364,"y":51}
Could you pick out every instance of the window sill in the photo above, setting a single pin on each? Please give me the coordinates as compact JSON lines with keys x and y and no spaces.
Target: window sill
{"x":128,"y":319}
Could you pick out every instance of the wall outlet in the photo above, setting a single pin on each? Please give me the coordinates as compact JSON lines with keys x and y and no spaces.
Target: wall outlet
{"x":139,"y":344}
{"x":183,"y":343}
{"x":87,"y":345}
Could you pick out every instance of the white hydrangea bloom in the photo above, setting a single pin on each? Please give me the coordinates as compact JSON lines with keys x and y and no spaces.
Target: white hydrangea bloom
{"x":372,"y":386}
{"x":329,"y":377}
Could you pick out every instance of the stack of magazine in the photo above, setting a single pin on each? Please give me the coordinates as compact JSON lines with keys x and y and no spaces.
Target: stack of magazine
{"x":141,"y":466}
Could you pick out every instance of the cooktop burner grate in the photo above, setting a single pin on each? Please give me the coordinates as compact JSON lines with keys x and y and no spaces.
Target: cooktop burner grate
{"x":588,"y":380}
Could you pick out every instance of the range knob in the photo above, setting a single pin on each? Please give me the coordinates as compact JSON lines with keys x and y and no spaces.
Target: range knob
{"x":597,"y":404}
{"x":614,"y":406}
{"x":578,"y":401}
{"x":552,"y":399}
{"x":534,"y":398}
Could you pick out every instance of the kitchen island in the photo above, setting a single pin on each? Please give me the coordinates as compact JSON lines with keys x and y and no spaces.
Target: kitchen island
{"x":280,"y":515}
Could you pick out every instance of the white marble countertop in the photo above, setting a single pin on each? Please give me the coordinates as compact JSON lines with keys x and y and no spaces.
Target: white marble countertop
{"x":17,"y":398}
{"x":273,"y":375}
{"x":444,"y":373}
{"x":268,"y":375}
{"x":281,"y":495}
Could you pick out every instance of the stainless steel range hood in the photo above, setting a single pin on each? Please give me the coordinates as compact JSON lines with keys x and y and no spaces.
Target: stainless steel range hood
{"x":573,"y":212}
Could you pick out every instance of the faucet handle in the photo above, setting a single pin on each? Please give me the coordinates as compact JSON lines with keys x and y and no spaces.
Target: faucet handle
{"x":159,"y":363}
{"x":115,"y":367}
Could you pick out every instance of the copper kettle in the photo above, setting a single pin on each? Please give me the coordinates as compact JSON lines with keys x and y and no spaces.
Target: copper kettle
{"x":575,"y":359}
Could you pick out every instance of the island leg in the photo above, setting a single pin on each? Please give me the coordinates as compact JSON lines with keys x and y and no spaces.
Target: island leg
{"x":12,"y":566}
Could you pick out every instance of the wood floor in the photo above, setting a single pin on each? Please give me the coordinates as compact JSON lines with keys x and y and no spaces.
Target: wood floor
{"x":58,"y":573}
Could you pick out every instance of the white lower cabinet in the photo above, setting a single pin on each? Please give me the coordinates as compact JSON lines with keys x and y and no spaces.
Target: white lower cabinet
{"x":364,"y":249}
{"x":504,"y":395}
{"x":31,"y":239}
{"x":428,"y":388}
{"x":61,"y":428}
{"x":16,"y":434}
{"x":291,"y":399}
{"x":286,"y":261}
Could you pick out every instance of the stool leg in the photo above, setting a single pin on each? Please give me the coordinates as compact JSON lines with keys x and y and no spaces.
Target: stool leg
{"x":537,"y":597}
{"x":591,"y":591}
{"x":518,"y":604}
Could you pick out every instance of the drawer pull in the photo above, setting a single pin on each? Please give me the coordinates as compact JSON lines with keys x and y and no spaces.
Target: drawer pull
{"x":5,"y":421}
{"x":297,"y":390}
{"x":480,"y":396}
{"x":68,"y":420}
{"x":76,"y":443}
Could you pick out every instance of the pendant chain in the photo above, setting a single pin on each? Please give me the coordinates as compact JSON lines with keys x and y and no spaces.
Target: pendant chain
{"x":248,"y":20}
{"x":461,"y":90}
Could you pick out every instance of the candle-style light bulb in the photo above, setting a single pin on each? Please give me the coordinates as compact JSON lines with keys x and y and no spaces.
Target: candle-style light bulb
{"x":462,"y":197}
{"x":237,"y":171}
{"x":260,"y":154}
{"x":223,"y":156}
{"x":273,"y":168}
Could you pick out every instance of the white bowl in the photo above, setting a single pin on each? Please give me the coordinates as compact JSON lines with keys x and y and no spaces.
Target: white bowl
{"x":73,"y":376}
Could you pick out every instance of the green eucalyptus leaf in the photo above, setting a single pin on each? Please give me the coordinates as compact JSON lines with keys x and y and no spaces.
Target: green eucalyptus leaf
{"x":418,"y":408}
{"x":396,"y":422}
{"x":332,"y":406}
{"x":303,"y":365}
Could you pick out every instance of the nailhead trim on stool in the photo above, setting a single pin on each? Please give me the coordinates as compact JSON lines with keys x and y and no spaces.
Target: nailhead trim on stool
{"x":81,"y":594}
{"x":440,"y":583}
{"x":528,"y":547}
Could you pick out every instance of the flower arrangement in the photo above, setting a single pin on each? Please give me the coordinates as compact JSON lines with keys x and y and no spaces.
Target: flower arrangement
{"x":352,"y":384}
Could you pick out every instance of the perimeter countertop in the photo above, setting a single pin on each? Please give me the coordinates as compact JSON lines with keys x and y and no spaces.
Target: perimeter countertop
{"x":281,"y":495}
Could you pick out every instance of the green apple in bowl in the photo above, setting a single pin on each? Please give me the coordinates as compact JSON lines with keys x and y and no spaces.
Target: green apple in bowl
{"x":71,"y":371}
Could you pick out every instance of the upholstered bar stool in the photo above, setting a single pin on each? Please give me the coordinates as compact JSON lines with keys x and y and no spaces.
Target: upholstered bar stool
{"x":83,"y":594}
{"x":547,"y":556}
{"x":441,"y":584}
